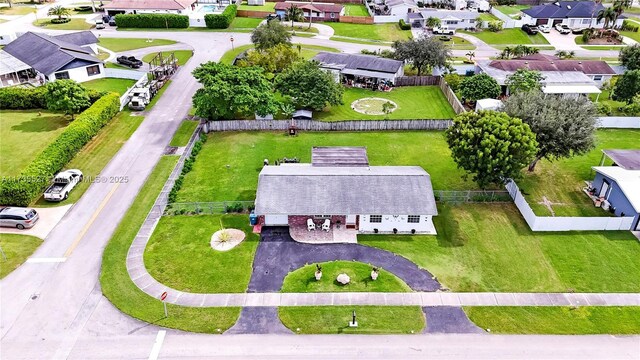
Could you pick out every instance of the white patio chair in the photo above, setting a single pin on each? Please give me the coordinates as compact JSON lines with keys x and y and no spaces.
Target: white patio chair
{"x":310,"y":225}
{"x":326,"y":225}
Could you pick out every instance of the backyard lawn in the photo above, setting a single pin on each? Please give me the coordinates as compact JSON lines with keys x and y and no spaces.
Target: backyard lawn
{"x":306,"y":51}
{"x":335,"y":319}
{"x":182,"y":55}
{"x":414,"y":102}
{"x":24,"y":134}
{"x":605,"y":98}
{"x":123,"y":293}
{"x":511,"y":9}
{"x":303,"y":279}
{"x":244,"y":23}
{"x":179,"y":254}
{"x":369,"y":33}
{"x":611,"y":320}
{"x":355,"y":10}
{"x":489,"y":247}
{"x":235,"y":158}
{"x":110,"y":84}
{"x":17,"y":248}
{"x":268,"y":7}
{"x":508,"y":37}
{"x":120,"y":45}
{"x":74,"y":24}
{"x":487,"y":17}
{"x":182,"y":136}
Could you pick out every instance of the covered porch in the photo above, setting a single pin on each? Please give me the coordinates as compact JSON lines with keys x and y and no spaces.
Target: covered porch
{"x":15,"y":72}
{"x":339,"y":231}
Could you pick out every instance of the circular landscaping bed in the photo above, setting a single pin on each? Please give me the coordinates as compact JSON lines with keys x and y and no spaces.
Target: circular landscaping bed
{"x":373,"y":106}
{"x":226,"y":239}
{"x":304,"y":279}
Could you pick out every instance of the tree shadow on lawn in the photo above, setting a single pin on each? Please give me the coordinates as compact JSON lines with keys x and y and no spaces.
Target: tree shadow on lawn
{"x":41,"y":124}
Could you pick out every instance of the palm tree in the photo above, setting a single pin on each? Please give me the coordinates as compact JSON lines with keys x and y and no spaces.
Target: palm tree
{"x":608,"y":15}
{"x":571,"y":54}
{"x":618,"y":7}
{"x":58,"y":11}
{"x":470,"y":55}
{"x":294,"y":13}
{"x":433,"y":22}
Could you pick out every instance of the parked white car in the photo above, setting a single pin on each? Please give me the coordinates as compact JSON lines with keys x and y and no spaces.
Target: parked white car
{"x":62,"y":185}
{"x":444,"y":31}
{"x":544,"y":28}
{"x":563,"y":29}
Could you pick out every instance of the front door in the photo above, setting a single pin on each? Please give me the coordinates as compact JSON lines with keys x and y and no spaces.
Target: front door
{"x":604,"y":189}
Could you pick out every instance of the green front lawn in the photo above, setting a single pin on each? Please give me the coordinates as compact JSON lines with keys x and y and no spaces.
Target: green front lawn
{"x":489,"y":247}
{"x":182,"y":136}
{"x":123,"y":293}
{"x":414,"y":102}
{"x":181,"y":55}
{"x":306,"y":51}
{"x":236,"y":159}
{"x":74,"y":24}
{"x":180,"y":255}
{"x":335,"y":319}
{"x":355,"y":10}
{"x":244,"y":23}
{"x":508,"y":37}
{"x":17,"y":248}
{"x":487,"y":17}
{"x":303,"y":280}
{"x":511,"y":9}
{"x":631,"y":34}
{"x":120,"y":44}
{"x":380,"y":32}
{"x":110,"y":84}
{"x":24,"y":134}
{"x":268,"y":7}
{"x":17,"y":10}
{"x":557,"y":320}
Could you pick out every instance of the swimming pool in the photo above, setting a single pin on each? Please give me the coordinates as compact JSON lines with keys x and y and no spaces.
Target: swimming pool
{"x":208,"y":9}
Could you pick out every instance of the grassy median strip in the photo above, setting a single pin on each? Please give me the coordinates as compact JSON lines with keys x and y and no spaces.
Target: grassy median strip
{"x":123,"y":293}
{"x":182,"y":136}
{"x":335,"y":319}
{"x":120,"y":45}
{"x":17,"y":248}
{"x":558,"y":320}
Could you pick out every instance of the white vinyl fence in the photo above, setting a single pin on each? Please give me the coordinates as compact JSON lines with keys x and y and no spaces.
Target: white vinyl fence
{"x":620,"y":122}
{"x":564,"y":223}
{"x":509,"y":22}
{"x":141,"y":78}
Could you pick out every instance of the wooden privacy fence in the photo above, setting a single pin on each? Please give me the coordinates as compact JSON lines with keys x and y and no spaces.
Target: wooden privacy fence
{"x":253,"y":14}
{"x":316,"y":125}
{"x":418,"y":80}
{"x":452,"y":98}
{"x":356,"y":19}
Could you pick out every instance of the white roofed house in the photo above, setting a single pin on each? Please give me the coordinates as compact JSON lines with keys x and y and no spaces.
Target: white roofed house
{"x":452,"y":19}
{"x":341,"y":189}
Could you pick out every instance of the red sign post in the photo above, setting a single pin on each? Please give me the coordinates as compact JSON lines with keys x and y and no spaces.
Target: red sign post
{"x":163,"y":297}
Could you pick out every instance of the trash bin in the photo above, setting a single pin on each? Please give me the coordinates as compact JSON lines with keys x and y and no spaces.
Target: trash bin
{"x":253,"y":219}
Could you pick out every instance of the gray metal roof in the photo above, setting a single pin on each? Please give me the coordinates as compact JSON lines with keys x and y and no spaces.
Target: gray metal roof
{"x":626,"y":159}
{"x":9,"y":64}
{"x":358,"y":62}
{"x":79,"y":38}
{"x":339,"y":156}
{"x":47,"y":54}
{"x":302,"y":189}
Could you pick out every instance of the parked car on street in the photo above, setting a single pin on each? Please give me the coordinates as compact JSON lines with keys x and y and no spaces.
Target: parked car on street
{"x":544,"y":28}
{"x":99,"y":25}
{"x":129,"y":61}
{"x":17,"y":217}
{"x":444,"y":31}
{"x":530,"y":29}
{"x":563,"y":29}
{"x":62,"y":185}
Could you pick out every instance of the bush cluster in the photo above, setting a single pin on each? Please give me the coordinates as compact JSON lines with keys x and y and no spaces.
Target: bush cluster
{"x":16,"y":98}
{"x":403,"y":25}
{"x":60,"y":21}
{"x":495,"y":25}
{"x":221,"y":21}
{"x":629,"y":26}
{"x":186,"y":168}
{"x":35,"y":177}
{"x":155,"y":21}
{"x":506,"y":2}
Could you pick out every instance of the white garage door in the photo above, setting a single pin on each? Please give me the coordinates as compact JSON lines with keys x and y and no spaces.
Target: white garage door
{"x":274,"y":220}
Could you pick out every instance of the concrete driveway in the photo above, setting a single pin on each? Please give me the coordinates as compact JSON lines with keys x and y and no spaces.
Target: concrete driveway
{"x":561,"y":42}
{"x":49,"y":218}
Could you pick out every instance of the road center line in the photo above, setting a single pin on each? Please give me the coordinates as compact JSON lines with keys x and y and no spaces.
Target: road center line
{"x":155,"y":350}
{"x":93,"y":218}
{"x":46,"y":260}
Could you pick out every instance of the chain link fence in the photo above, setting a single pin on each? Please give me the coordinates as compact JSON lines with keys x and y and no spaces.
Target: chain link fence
{"x":209,"y":208}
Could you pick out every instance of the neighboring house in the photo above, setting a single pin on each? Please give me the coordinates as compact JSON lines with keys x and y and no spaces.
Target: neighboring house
{"x":256,"y":2}
{"x":452,"y":19}
{"x":575,"y":14}
{"x":360,"y":69}
{"x":7,"y":37}
{"x":84,"y":39}
{"x":53,"y":58}
{"x":149,"y":6}
{"x":315,"y":11}
{"x":562,"y":76}
{"x":618,"y":186}
{"x":341,"y":186}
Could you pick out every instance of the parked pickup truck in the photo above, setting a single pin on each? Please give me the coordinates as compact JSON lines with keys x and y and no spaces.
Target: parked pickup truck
{"x":129,"y":61}
{"x":444,"y":31}
{"x":62,"y":185}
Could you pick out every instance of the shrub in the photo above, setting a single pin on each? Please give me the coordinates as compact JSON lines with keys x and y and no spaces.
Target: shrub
{"x":629,"y":26}
{"x":453,"y":80}
{"x":604,"y":109}
{"x":15,"y":98}
{"x":156,"y":21}
{"x":221,"y":21}
{"x":60,"y":21}
{"x":83,"y":8}
{"x":35,"y":177}
{"x":403,"y":25}
{"x":495,"y":26}
{"x":188,"y":165}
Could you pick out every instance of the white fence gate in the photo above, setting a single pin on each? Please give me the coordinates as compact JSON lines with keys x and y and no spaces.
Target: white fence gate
{"x":620,"y":122}
{"x":509,"y":22}
{"x":564,"y":223}
{"x":141,"y":78}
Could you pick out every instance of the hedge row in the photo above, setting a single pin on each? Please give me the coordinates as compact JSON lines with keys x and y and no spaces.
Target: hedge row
{"x":16,"y":98}
{"x":21,"y":191}
{"x":221,"y":21}
{"x":403,"y":25}
{"x":156,"y":21}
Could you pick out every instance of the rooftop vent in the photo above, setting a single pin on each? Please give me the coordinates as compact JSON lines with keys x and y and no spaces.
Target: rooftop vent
{"x":569,"y":7}
{"x":556,"y":3}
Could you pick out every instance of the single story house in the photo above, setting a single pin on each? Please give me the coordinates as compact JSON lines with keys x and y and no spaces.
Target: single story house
{"x":452,"y":19}
{"x":84,"y":39}
{"x":53,"y":58}
{"x":339,"y":187}
{"x":399,"y":8}
{"x":575,"y":14}
{"x":14,"y":72}
{"x":315,"y":11}
{"x":619,"y":185}
{"x":149,"y":6}
{"x":355,"y":69}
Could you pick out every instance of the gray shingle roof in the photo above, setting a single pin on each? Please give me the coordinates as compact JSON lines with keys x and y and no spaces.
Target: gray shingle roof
{"x":564,"y":9}
{"x":302,"y":189}
{"x":360,"y":62}
{"x":626,"y":159}
{"x":339,"y":156}
{"x":47,"y":54}
{"x":79,"y":38}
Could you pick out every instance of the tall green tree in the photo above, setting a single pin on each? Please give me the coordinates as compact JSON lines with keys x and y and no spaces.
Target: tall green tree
{"x":627,"y":86}
{"x":524,"y":80}
{"x":608,"y":15}
{"x":294,"y":13}
{"x":564,"y":127}
{"x":491,"y":146}
{"x":269,"y":35}
{"x":229,"y":91}
{"x":480,"y":86}
{"x":630,"y":57}
{"x":67,"y":96}
{"x":273,"y":60}
{"x":433,"y":22}
{"x":422,"y":53}
{"x":59,"y":11}
{"x":309,"y":86}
